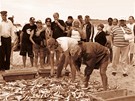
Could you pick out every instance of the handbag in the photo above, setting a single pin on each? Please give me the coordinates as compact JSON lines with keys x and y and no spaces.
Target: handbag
{"x":127,"y":37}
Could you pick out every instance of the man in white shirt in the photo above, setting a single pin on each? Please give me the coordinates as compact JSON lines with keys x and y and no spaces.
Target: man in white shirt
{"x":63,"y":45}
{"x":131,"y":25}
{"x":6,"y":34}
{"x":107,"y":29}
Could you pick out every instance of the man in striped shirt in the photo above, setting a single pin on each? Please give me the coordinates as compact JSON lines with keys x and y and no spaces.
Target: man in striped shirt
{"x":120,"y":47}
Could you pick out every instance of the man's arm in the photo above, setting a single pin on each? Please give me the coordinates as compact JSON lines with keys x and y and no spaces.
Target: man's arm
{"x":21,"y":35}
{"x":61,"y":25}
{"x":134,"y":33}
{"x":92,"y":32}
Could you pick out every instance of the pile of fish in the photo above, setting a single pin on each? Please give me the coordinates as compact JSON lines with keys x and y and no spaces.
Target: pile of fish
{"x":48,"y":89}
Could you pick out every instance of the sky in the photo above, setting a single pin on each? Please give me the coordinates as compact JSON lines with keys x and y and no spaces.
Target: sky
{"x":41,"y":9}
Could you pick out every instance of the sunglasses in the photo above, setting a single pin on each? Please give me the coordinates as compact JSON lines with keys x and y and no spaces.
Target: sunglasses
{"x":48,"y":21}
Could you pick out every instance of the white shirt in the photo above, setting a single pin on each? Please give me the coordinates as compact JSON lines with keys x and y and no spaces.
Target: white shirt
{"x":131,"y":26}
{"x":107,"y":28}
{"x":67,"y":42}
{"x":7,"y":29}
{"x":75,"y":35}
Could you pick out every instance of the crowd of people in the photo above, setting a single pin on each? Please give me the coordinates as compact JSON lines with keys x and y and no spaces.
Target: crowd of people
{"x":75,"y":41}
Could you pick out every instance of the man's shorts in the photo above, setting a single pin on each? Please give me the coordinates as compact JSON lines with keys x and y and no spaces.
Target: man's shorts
{"x":26,"y":48}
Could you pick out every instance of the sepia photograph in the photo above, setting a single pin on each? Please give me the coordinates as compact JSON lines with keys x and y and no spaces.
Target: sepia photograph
{"x":67,"y":50}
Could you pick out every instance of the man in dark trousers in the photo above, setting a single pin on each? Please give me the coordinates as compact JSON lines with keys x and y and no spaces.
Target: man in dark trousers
{"x":95,"y":56}
{"x":6,"y":37}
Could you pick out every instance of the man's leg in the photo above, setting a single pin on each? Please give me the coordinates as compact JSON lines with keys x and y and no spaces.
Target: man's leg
{"x":88,"y":71}
{"x":31,"y":61}
{"x":23,"y":53}
{"x":57,"y":58}
{"x":3,"y":49}
{"x":78,"y":63}
{"x":103,"y":69}
{"x":41,"y":57}
{"x":60,"y":64}
{"x":115,"y":60}
{"x":131,"y":49}
{"x":36,"y":50}
{"x":51,"y":59}
{"x":24,"y":60}
{"x":30,"y":53}
{"x":1,"y":59}
{"x":124,"y":58}
{"x":73,"y":68}
{"x":8,"y":53}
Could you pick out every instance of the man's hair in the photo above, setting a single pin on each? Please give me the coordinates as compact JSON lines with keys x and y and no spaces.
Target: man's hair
{"x":70,"y":17}
{"x":56,"y":13}
{"x":116,"y":19}
{"x":87,"y":16}
{"x":79,"y":16}
{"x":131,"y":17}
{"x":48,"y":19}
{"x":110,"y":19}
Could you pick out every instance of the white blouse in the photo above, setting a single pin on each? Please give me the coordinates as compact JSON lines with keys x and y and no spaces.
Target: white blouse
{"x":75,"y":35}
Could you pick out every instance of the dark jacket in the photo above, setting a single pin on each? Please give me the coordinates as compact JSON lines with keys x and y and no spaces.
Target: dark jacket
{"x":89,"y":32}
{"x":101,"y":38}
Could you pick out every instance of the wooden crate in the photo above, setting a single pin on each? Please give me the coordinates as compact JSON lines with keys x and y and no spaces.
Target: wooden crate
{"x":111,"y":93}
{"x":46,"y":72}
{"x":12,"y":75}
{"x":123,"y":98}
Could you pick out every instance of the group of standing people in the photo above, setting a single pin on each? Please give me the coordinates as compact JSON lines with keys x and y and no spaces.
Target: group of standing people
{"x":72,"y":42}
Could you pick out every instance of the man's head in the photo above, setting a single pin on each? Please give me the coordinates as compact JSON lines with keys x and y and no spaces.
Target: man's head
{"x":110,"y":20}
{"x":87,"y":19}
{"x":131,"y":19}
{"x":52,"y":44}
{"x":56,"y":16}
{"x":76,"y":51}
{"x":100,"y":27}
{"x":48,"y":22}
{"x":3,"y":15}
{"x":122,"y":22}
{"x":70,"y":19}
{"x":80,"y":18}
{"x":39,"y":24}
{"x":11,"y":19}
{"x":115,"y":21}
{"x":32,"y":20}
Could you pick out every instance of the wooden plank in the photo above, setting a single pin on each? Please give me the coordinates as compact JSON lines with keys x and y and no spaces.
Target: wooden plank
{"x":111,"y":93}
{"x":123,"y":98}
{"x":18,"y":74}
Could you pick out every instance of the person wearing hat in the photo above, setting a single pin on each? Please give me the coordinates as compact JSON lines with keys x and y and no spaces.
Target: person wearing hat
{"x":101,"y":35}
{"x":6,"y":39}
{"x":25,"y":43}
{"x":38,"y":41}
{"x":120,"y":47}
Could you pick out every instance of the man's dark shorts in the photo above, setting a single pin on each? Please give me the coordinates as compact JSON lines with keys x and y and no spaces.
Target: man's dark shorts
{"x":26,"y":48}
